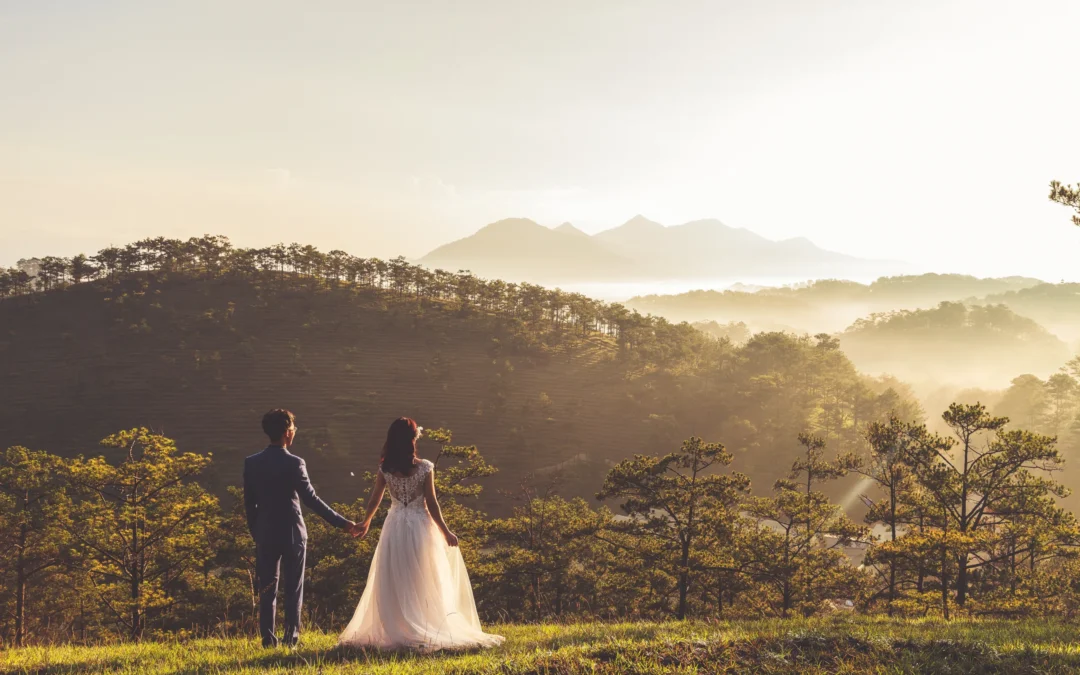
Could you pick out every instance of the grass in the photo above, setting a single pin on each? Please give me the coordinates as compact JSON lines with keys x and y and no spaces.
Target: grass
{"x":844,"y":645}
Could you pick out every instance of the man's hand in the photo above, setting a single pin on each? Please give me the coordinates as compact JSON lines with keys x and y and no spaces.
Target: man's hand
{"x":357,"y":529}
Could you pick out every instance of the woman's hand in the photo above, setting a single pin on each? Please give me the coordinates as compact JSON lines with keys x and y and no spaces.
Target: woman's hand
{"x":360,"y":530}
{"x":451,"y":538}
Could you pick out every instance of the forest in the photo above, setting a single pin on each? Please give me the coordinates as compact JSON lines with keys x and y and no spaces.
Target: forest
{"x":523,"y":371}
{"x":834,"y":304}
{"x":975,"y":345}
{"x":969,"y":523}
{"x":761,"y":479}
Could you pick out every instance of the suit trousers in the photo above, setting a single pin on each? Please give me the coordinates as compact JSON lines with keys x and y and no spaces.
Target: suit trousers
{"x":287,"y":558}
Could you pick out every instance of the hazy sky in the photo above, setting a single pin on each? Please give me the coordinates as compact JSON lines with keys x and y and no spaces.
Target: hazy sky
{"x":920,"y":130}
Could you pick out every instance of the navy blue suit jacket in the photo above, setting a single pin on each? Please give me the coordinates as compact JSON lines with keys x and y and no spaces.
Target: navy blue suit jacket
{"x":275,"y":482}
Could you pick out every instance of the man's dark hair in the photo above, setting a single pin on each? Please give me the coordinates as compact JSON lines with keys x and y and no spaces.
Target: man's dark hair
{"x":277,"y":422}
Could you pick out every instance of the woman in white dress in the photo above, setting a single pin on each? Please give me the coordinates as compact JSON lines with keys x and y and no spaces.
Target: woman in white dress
{"x":418,"y":594}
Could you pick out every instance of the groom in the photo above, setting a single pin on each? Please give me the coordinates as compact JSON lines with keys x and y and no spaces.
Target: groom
{"x":275,"y":482}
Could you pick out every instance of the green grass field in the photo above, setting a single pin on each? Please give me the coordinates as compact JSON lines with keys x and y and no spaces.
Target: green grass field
{"x":847,"y":645}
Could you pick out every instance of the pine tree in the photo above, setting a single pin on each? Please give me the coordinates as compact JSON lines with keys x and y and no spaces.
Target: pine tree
{"x":545,"y":553}
{"x":33,"y":541}
{"x":974,"y":480}
{"x":141,"y":524}
{"x":800,"y":553}
{"x":1066,"y":195}
{"x":673,"y":500}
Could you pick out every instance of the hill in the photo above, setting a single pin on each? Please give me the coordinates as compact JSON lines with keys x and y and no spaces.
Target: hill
{"x":541,"y":381}
{"x":795,"y":646}
{"x":640,"y":249}
{"x":201,"y":360}
{"x":832,"y":305}
{"x":971,"y":345}
{"x":1056,"y":306}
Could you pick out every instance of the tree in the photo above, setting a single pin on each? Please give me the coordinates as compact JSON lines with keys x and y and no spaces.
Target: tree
{"x":1067,"y":195}
{"x":975,"y":479}
{"x":108,"y":259}
{"x":30,"y":267}
{"x":336,"y":265}
{"x":544,"y":554}
{"x":32,"y":538}
{"x":141,"y":524}
{"x":458,"y":468}
{"x":673,"y":499}
{"x":52,"y":272}
{"x":1025,"y":402}
{"x":1033,"y":537}
{"x":1061,"y":391}
{"x":802,"y":558}
{"x":210,"y":251}
{"x":236,"y":596}
{"x":81,"y":269}
{"x":890,"y":446}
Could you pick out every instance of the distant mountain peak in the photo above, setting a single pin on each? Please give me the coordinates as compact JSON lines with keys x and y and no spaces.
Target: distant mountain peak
{"x":568,"y":228}
{"x":519,"y":249}
{"x":799,"y":243}
{"x":640,"y":222}
{"x":707,"y":222}
{"x":510,"y":223}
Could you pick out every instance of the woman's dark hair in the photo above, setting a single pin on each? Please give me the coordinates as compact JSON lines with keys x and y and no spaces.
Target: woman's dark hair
{"x":400,"y":448}
{"x":276,"y":422}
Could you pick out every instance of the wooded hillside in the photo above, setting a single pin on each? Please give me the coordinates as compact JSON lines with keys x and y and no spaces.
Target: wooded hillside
{"x":197,"y":339}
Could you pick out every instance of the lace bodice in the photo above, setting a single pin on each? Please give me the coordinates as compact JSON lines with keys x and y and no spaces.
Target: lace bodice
{"x":406,"y":490}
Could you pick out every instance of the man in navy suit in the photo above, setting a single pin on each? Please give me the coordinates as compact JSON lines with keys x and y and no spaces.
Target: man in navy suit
{"x":275,"y":482}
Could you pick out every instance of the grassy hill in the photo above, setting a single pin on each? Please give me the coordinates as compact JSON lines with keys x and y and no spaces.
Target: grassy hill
{"x":200,"y":359}
{"x":839,"y":645}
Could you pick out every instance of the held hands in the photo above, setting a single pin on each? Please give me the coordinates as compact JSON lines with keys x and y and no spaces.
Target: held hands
{"x":357,"y":529}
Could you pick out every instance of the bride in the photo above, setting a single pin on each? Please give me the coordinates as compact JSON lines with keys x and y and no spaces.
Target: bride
{"x":417,"y":594}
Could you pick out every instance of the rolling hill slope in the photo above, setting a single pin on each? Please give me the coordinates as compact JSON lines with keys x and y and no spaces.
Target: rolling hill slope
{"x":200,"y":359}
{"x":207,"y":363}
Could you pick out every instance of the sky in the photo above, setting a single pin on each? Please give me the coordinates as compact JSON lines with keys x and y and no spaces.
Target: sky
{"x":924,"y":131}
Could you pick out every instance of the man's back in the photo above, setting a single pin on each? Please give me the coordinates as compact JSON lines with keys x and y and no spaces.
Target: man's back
{"x":275,"y":482}
{"x":270,"y":479}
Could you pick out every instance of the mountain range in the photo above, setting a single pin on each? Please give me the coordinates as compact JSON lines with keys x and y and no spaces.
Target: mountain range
{"x":519,"y":249}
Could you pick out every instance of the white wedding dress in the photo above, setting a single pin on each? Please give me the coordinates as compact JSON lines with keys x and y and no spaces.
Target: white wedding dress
{"x":418,"y":594}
